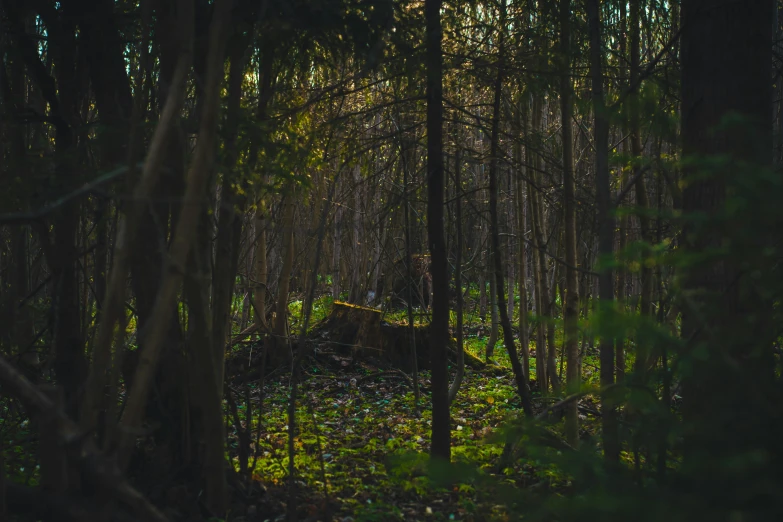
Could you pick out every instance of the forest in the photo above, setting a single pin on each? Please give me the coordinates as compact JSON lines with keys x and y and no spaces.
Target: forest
{"x":378,"y":260}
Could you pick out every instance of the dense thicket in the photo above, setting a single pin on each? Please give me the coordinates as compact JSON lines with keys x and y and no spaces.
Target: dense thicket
{"x":597,"y":184}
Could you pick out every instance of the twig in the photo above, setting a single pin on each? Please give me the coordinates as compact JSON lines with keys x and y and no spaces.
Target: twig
{"x":391,"y":373}
{"x":560,"y":404}
{"x":650,"y":68}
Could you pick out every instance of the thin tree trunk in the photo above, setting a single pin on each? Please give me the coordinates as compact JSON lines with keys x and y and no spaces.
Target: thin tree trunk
{"x":205,"y":400}
{"x":539,"y":260}
{"x":571,"y":304}
{"x":260,"y":268}
{"x":555,"y":377}
{"x":609,"y":435}
{"x":483,"y":269}
{"x":261,"y":263}
{"x":524,"y":340}
{"x":358,"y":272}
{"x":22,"y":320}
{"x":645,"y":297}
{"x":131,"y":225}
{"x":493,"y":307}
{"x":521,"y":379}
{"x":622,"y":228}
{"x":281,"y":350}
{"x":307,"y":308}
{"x":229,"y":227}
{"x":101,"y":253}
{"x":510,"y":248}
{"x":409,"y":282}
{"x":454,"y":389}
{"x":337,"y":253}
{"x":439,"y":328}
{"x":622,"y":291}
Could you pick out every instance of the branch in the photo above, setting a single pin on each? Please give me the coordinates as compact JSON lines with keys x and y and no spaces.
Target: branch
{"x":650,"y":68}
{"x":21,"y":218}
{"x":103,"y":469}
{"x":560,"y":404}
{"x":627,"y":188}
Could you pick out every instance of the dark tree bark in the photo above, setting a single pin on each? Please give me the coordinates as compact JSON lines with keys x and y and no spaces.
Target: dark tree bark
{"x":521,"y":210}
{"x":571,"y":301}
{"x":406,"y":165}
{"x":539,"y":259}
{"x":609,"y":436}
{"x":494,"y":322}
{"x":229,"y":227}
{"x":439,"y":329}
{"x":184,"y":238}
{"x":640,"y":187}
{"x":100,"y":39}
{"x":622,"y":228}
{"x":454,"y":389}
{"x":726,"y":113}
{"x":69,"y":362}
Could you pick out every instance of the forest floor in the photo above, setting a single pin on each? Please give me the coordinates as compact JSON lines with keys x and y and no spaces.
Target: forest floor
{"x":361,"y":445}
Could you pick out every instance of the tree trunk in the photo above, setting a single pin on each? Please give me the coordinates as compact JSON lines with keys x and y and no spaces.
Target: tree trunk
{"x":493,"y":306}
{"x":539,"y":259}
{"x":524,"y":340}
{"x":135,"y":248}
{"x":184,"y":237}
{"x":337,"y":252}
{"x":571,"y":304}
{"x":726,"y":56}
{"x":523,"y":387}
{"x":260,"y":266}
{"x":358,"y":273}
{"x":458,"y":276}
{"x":642,"y":202}
{"x":511,"y":265}
{"x":609,"y":436}
{"x":441,"y":429}
{"x":229,"y":228}
{"x":281,"y":348}
{"x":552,"y":287}
{"x":622,"y":229}
{"x":483,"y":270}
{"x":206,"y":413}
{"x":409,"y":280}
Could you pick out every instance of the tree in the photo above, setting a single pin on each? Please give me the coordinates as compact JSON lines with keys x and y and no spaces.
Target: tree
{"x":727,"y":147}
{"x":611,"y":444}
{"x":571,"y":304}
{"x":439,"y":329}
{"x":523,"y":386}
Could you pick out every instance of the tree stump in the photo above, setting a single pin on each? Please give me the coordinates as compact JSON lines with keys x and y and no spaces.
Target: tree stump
{"x":362,"y":333}
{"x":351,"y":328}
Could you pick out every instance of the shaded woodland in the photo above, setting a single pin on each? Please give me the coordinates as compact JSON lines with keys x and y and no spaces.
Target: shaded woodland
{"x":391,"y":260}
